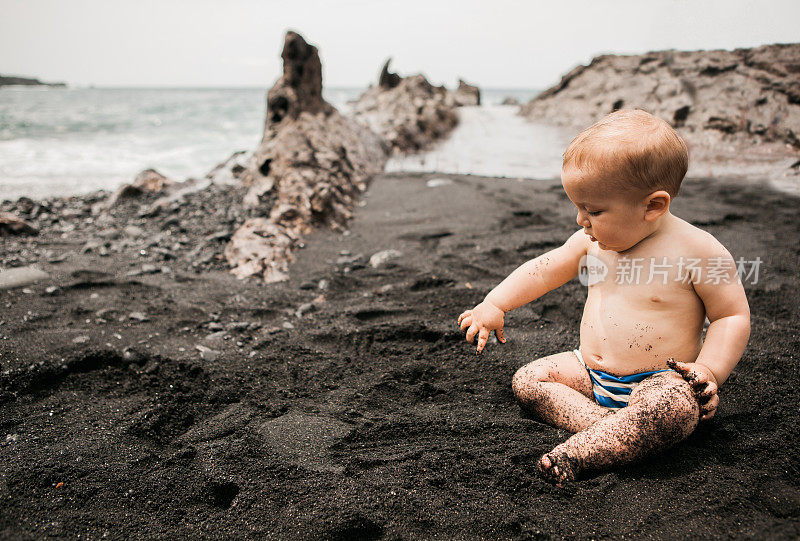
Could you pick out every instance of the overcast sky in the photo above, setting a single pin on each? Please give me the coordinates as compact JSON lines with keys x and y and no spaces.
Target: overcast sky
{"x":498,"y":43}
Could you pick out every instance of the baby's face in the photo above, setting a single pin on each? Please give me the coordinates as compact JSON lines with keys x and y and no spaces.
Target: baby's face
{"x":612,"y":219}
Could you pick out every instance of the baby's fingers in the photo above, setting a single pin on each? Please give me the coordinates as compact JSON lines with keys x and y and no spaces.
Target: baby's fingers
{"x":465,"y":323}
{"x":708,"y":416}
{"x":709,"y":409}
{"x":483,"y":336}
{"x":698,"y":381}
{"x":500,"y":335}
{"x":473,"y":330}
{"x":464,"y":314}
{"x":708,"y":393}
{"x":679,"y":367}
{"x":692,"y":377}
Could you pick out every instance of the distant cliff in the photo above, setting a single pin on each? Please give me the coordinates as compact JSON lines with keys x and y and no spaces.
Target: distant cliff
{"x":747,"y":95}
{"x":27,"y":81}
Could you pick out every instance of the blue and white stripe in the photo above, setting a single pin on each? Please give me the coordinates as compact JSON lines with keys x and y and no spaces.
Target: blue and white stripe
{"x":613,"y":391}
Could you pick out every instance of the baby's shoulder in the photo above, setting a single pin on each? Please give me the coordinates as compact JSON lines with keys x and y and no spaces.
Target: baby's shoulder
{"x":696,"y":242}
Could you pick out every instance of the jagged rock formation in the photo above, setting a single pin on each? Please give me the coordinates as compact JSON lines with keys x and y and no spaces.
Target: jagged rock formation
{"x":710,"y":96}
{"x":310,"y":166}
{"x":467,"y":94}
{"x":388,"y":80}
{"x":408,"y":112}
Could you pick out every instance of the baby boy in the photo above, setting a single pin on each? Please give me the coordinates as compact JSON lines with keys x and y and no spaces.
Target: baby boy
{"x":642,"y":377}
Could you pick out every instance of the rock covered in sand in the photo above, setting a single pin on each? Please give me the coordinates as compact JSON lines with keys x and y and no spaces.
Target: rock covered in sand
{"x":262,"y":248}
{"x":745,"y":94}
{"x":11,"y":224}
{"x":147,"y":181}
{"x":408,"y":112}
{"x":310,"y":166}
{"x":379,"y":259}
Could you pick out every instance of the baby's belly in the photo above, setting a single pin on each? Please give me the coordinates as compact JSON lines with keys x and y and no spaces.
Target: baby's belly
{"x":624,"y":335}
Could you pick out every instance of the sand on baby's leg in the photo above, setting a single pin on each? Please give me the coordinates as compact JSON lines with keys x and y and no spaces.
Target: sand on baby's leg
{"x":557,"y":390}
{"x":662,"y":411}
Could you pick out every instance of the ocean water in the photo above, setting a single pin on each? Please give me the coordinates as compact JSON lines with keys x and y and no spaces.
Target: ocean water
{"x":64,"y":141}
{"x":61,"y":141}
{"x":493,"y":141}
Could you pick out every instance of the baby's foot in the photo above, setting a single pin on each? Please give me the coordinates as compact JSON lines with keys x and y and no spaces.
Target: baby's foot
{"x":557,"y":467}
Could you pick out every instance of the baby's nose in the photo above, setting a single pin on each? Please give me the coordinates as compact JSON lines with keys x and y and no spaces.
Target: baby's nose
{"x":582,"y":220}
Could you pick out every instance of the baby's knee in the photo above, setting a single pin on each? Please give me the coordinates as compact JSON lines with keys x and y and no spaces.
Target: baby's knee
{"x":683,"y":407}
{"x":672,"y":403}
{"x":526,"y":380}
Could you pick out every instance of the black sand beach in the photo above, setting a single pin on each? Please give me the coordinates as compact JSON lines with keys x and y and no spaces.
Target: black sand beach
{"x":356,"y":410}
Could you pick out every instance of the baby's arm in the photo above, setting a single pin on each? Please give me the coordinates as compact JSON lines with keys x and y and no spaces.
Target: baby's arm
{"x":528,"y":282}
{"x":728,"y":313}
{"x":729,"y":329}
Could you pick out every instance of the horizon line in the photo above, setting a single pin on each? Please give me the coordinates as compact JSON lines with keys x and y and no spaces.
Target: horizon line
{"x":223,"y":87}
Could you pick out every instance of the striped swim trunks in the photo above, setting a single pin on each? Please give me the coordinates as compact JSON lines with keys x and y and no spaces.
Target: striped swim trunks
{"x":613,"y":391}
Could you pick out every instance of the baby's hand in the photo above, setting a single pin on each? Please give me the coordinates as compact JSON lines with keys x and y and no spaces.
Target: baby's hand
{"x":703,"y":383}
{"x":482,"y":320}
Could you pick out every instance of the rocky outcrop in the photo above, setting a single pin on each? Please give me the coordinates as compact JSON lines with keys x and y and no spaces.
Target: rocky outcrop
{"x":748,"y":95}
{"x":310,"y":167}
{"x":467,"y":94}
{"x":7,"y":80}
{"x":408,"y":112}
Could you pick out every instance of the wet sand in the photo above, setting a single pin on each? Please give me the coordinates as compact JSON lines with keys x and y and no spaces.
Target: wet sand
{"x":356,"y":409}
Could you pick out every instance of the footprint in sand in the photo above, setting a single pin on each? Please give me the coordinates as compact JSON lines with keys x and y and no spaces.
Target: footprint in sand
{"x":303,"y":439}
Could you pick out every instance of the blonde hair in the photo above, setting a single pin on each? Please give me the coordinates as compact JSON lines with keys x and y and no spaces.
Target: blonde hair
{"x":634,"y":150}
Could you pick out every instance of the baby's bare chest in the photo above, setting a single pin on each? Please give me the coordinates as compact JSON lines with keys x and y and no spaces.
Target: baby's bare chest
{"x":640,"y":273}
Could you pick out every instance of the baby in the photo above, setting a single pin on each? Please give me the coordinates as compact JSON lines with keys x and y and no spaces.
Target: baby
{"x":642,"y":377}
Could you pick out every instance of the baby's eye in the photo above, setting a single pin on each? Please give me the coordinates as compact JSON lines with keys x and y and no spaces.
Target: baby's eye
{"x":594,"y":212}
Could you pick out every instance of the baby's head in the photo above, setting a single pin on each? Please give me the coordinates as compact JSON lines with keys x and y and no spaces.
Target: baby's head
{"x":621,"y":173}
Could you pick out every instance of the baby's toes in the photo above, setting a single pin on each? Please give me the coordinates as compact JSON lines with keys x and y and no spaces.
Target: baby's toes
{"x":556,"y":468}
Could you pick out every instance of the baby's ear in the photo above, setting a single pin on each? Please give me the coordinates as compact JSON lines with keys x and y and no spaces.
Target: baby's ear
{"x":657,"y":204}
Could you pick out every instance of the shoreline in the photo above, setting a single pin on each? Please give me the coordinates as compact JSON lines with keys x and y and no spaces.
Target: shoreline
{"x":785,"y":186}
{"x":766,"y":164}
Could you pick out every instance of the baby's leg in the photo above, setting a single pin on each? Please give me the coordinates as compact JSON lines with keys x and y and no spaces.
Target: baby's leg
{"x":661,"y":412}
{"x":557,"y":389}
